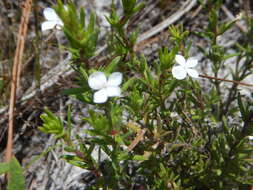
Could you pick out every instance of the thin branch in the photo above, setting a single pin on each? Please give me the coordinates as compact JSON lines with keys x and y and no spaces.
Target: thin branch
{"x":226,"y":80}
{"x":15,"y":73}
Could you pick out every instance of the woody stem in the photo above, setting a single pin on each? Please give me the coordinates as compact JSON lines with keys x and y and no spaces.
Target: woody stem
{"x":226,"y":80}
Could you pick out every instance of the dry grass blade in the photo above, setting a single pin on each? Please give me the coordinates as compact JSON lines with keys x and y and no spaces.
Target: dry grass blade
{"x":16,"y":73}
{"x":137,"y":139}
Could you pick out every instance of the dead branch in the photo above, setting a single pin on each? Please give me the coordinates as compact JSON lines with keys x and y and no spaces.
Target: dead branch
{"x":16,"y":73}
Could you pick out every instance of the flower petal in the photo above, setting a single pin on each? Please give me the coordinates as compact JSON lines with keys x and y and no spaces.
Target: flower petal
{"x":100,"y":96}
{"x":179,"y":72}
{"x":97,"y":80}
{"x":191,"y":62}
{"x":59,"y":24}
{"x":180,"y":60}
{"x":50,"y":14}
{"x":113,"y":91}
{"x":47,"y":25}
{"x":193,"y":73}
{"x":115,"y":79}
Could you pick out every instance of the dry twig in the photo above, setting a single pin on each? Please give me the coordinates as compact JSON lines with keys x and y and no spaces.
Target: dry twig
{"x":137,"y":139}
{"x":16,"y":72}
{"x":227,"y":80}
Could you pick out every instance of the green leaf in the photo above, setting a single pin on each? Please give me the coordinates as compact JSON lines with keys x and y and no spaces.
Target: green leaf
{"x":128,"y":84}
{"x":139,"y":7}
{"x":51,"y":124}
{"x":1,"y":85}
{"x":91,"y":25}
{"x":82,"y":17}
{"x":69,"y":121}
{"x":224,"y":27}
{"x":74,"y":91}
{"x":17,"y":180}
{"x":140,"y":158}
{"x":74,"y":160}
{"x":111,"y":67}
{"x":4,"y":167}
{"x":241,"y":106}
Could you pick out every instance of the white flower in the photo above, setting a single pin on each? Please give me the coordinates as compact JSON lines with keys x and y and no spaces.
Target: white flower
{"x":105,"y":88}
{"x":52,"y":18}
{"x":251,"y":138}
{"x":185,"y":67}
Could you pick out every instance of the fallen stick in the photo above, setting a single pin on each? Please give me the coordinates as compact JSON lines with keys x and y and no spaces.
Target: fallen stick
{"x":16,"y":74}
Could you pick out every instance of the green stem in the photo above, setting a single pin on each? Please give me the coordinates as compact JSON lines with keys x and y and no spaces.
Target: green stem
{"x":108,"y":114}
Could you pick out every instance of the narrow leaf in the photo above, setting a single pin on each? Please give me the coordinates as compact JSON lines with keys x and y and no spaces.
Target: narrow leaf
{"x":17,"y":180}
{"x":4,"y":167}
